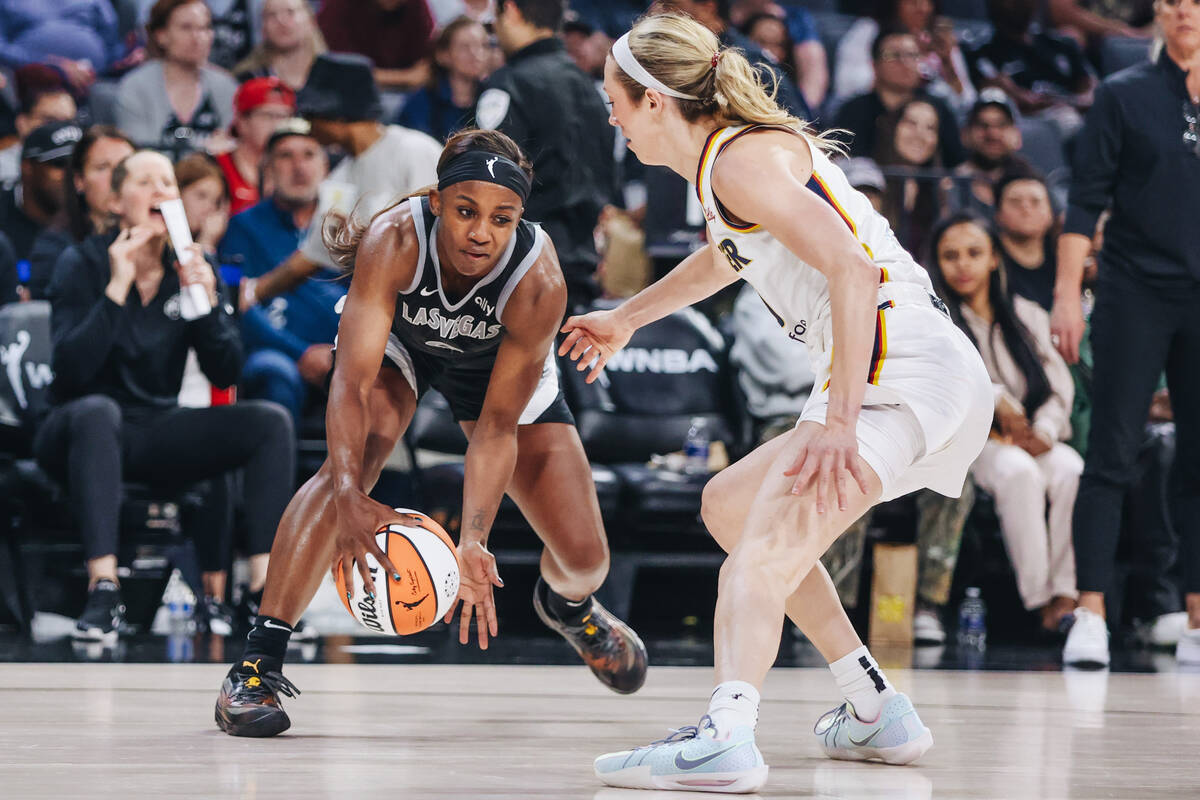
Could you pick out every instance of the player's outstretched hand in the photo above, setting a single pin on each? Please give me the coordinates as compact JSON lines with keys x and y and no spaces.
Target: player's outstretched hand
{"x":593,"y":338}
{"x":359,"y":519}
{"x":831,"y":457}
{"x":477,"y":575}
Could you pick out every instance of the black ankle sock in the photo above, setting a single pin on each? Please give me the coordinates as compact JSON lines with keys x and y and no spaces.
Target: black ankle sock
{"x":266,"y":646}
{"x":567,"y":611}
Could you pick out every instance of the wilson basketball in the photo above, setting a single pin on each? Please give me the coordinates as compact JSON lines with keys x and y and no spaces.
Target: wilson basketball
{"x":427,"y":561}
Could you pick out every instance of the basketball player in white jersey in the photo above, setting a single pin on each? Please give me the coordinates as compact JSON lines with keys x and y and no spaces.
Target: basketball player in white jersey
{"x":902,"y":399}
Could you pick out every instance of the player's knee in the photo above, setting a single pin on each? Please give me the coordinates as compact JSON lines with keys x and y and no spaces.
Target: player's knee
{"x":715,"y":514}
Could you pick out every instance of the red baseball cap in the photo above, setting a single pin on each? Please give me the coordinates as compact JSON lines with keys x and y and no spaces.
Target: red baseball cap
{"x":261,"y":91}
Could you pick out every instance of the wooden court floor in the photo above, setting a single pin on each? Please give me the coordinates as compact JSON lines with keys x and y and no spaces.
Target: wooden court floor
{"x":379,"y":731}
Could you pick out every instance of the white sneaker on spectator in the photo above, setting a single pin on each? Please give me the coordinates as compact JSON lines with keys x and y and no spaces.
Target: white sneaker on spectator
{"x":1087,"y":643}
{"x":1187,"y":652}
{"x":927,"y":627}
{"x":1167,"y":629}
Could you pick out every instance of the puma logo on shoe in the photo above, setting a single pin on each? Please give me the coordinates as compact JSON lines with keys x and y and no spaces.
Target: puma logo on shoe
{"x":252,"y":664}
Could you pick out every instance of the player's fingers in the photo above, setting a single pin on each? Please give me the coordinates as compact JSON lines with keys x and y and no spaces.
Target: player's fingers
{"x":338,"y":573}
{"x":493,"y":623}
{"x":570,"y":326}
{"x":384,"y":561}
{"x":494,"y":575}
{"x":365,"y":572}
{"x":464,"y":622}
{"x":481,"y":626}
{"x":860,"y":475}
{"x":797,"y":462}
{"x":804,"y":476}
{"x":841,"y":486}
{"x":823,"y":476}
{"x":597,"y":368}
{"x":582,"y":345}
{"x":450,"y":612}
{"x":569,"y":341}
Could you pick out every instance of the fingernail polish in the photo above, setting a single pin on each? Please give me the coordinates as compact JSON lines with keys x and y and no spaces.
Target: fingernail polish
{"x":370,"y":595}
{"x":396,"y":576}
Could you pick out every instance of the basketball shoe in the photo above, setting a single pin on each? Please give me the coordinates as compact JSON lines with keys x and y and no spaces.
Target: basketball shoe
{"x":896,"y":736}
{"x":249,"y":702}
{"x":1087,"y":641}
{"x":609,"y":647}
{"x":690,"y":759}
{"x":103,"y":615}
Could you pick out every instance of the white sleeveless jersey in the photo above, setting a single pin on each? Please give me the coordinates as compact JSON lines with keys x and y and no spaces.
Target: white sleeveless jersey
{"x":797,"y":293}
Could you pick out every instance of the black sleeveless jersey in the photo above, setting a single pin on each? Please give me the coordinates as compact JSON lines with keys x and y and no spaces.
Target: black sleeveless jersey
{"x":465,"y":334}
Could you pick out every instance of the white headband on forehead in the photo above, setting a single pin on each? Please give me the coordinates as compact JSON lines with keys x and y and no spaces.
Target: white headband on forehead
{"x":625,"y":60}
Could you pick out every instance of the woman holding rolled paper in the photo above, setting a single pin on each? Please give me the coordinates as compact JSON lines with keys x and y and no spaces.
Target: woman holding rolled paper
{"x":126,"y":308}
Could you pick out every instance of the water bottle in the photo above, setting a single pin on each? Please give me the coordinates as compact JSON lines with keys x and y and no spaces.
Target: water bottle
{"x":180,"y":603}
{"x":695,"y":448}
{"x":24,"y":275}
{"x":972,"y":621}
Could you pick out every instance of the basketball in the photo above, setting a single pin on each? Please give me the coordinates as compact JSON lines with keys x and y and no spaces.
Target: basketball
{"x":427,"y":561}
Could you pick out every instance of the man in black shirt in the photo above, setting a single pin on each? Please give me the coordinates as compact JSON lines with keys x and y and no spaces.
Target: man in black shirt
{"x":897,"y":80}
{"x":992,"y":139}
{"x":31,"y":203}
{"x":553,"y":111}
{"x":1138,"y":153}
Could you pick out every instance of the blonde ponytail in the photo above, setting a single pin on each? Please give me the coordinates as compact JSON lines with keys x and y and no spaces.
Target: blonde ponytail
{"x":688,"y":57}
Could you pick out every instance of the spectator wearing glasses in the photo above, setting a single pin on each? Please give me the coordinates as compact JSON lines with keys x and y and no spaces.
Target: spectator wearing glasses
{"x":1138,"y":153}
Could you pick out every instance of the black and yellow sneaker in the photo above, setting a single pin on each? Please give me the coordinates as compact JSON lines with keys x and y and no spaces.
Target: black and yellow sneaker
{"x":249,"y":702}
{"x":609,"y":647}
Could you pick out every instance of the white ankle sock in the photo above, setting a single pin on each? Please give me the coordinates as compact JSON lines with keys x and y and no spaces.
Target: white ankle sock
{"x":862,"y":683}
{"x":733,"y":704}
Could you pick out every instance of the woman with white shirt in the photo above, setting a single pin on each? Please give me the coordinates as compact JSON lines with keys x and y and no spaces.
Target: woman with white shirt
{"x":1026,"y":464}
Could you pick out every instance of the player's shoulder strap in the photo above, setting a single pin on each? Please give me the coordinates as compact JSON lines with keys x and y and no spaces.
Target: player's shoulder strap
{"x":422,"y":222}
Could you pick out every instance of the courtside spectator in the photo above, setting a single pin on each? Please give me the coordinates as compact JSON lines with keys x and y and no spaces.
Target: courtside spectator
{"x":397,"y":35}
{"x":205,"y":195}
{"x":447,"y":103}
{"x":896,"y":56}
{"x":992,"y":139}
{"x":1028,"y":231}
{"x":176,"y":101}
{"x":1046,"y":74}
{"x":87,"y":193}
{"x":908,"y":148}
{"x":290,"y":43}
{"x":260,"y":106}
{"x":42,"y":97}
{"x":1026,"y":465}
{"x":383,"y":163}
{"x":120,"y":347}
{"x":80,"y":37}
{"x":288,"y":340}
{"x":31,"y":204}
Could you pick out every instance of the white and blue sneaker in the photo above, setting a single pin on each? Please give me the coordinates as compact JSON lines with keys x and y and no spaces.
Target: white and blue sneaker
{"x":897,"y":736}
{"x":690,"y":759}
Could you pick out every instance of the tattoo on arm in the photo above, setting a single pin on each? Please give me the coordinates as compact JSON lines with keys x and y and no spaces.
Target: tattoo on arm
{"x":477,"y":522}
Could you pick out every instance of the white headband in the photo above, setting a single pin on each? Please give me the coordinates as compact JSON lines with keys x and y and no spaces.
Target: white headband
{"x":625,"y":60}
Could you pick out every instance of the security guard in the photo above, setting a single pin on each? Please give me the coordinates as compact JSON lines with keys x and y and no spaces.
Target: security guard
{"x":553,"y":111}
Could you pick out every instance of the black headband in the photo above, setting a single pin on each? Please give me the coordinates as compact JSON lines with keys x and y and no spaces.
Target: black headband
{"x":478,"y":165}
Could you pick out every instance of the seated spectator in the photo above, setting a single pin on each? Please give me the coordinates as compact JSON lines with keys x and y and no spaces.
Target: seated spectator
{"x":87,"y":190}
{"x":288,"y":341}
{"x":205,"y":195}
{"x":460,"y":65}
{"x":382,"y":163}
{"x":31,"y":204}
{"x":1044,"y":73}
{"x":586,"y":44}
{"x":290,"y":42}
{"x":397,"y":35}
{"x":1025,"y":462}
{"x":42,"y":97}
{"x":120,"y":346}
{"x":912,"y":201}
{"x":941,"y":64}
{"x":1028,"y":235}
{"x":1089,"y":21}
{"x":234,"y":30}
{"x":176,"y":101}
{"x":897,"y":81}
{"x":260,"y":106}
{"x":803,"y":50}
{"x":714,"y":15}
{"x":992,"y":139}
{"x":446,"y":11}
{"x":80,"y":37}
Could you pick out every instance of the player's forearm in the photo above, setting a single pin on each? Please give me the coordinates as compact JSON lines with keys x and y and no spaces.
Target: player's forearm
{"x":491,"y":458}
{"x":285,"y":277}
{"x":853,"y":292}
{"x":694,"y":279}
{"x":1073,"y":250}
{"x":346,"y":425}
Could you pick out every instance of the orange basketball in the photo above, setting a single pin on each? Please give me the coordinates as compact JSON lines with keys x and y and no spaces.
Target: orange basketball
{"x":427,"y":561}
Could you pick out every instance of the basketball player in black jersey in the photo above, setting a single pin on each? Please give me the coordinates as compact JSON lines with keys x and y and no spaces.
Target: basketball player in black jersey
{"x":452,"y":291}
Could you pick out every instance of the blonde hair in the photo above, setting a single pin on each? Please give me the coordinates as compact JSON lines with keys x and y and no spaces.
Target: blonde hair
{"x":261,"y":56}
{"x":680,"y":52}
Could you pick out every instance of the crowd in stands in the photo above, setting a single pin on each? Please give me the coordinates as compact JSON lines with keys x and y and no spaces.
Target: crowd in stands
{"x":264,"y":116}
